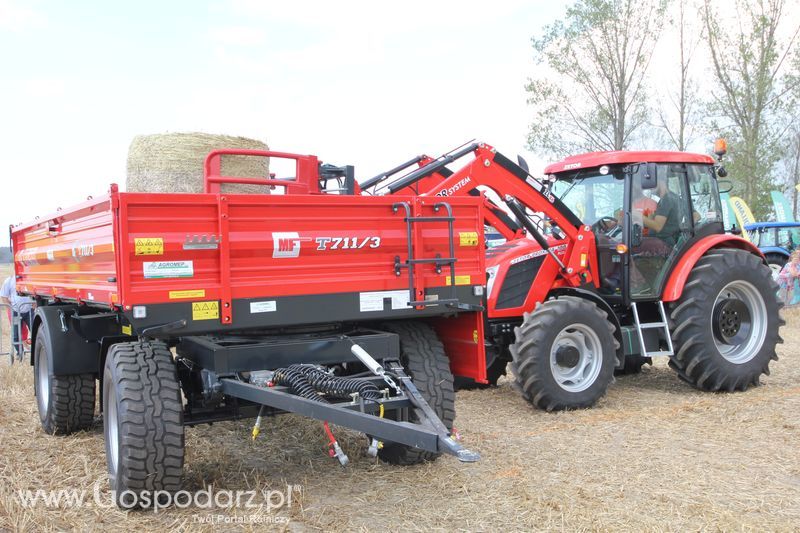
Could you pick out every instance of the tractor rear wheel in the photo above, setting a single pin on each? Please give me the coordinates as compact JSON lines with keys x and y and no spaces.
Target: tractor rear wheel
{"x":423,"y":357}
{"x":726,"y":322}
{"x":565,"y":354}
{"x":143,"y":422}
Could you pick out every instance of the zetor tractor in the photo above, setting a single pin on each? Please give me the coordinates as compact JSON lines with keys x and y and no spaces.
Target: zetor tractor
{"x":614,"y":258}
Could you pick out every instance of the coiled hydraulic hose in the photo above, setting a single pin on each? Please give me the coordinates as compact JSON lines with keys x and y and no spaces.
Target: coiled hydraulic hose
{"x":308,"y":381}
{"x":297,"y":383}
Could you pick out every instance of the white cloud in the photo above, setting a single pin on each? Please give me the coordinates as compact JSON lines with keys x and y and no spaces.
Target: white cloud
{"x":16,"y":17}
{"x":238,"y":36}
{"x":344,"y":81}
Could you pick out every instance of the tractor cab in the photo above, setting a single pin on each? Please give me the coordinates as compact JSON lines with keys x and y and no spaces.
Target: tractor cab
{"x":645,"y":209}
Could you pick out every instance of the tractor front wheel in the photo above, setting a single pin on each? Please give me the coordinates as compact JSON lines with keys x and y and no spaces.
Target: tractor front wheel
{"x":726,"y":322}
{"x":565,"y":354}
{"x":776,"y":263}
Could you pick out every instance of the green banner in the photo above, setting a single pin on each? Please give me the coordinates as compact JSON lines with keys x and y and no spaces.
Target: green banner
{"x":783,"y":213}
{"x":783,"y":210}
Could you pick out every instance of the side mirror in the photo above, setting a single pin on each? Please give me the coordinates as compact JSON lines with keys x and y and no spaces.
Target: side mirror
{"x":721,"y":172}
{"x":725,"y":186}
{"x":649,"y":176}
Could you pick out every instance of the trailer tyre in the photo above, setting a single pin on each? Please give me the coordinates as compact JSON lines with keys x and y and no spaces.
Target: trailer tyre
{"x":565,"y":354}
{"x":425,"y":361}
{"x":143,"y":422}
{"x":726,"y":322}
{"x":66,"y":403}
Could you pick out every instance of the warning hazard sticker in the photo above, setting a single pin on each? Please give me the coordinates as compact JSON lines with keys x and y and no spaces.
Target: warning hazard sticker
{"x":205,"y":310}
{"x":148,"y":246}
{"x":468,"y":238}
{"x":198,"y":293}
{"x":460,"y":280}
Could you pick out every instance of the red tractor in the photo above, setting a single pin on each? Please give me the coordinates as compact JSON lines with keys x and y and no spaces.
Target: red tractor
{"x":615,"y":258}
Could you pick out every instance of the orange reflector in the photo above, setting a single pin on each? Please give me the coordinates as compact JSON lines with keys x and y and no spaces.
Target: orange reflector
{"x":621,"y":249}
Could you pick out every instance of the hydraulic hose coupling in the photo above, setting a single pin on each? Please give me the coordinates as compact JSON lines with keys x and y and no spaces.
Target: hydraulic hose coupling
{"x":336,"y":451}
{"x":374,"y":446}
{"x":257,"y":425}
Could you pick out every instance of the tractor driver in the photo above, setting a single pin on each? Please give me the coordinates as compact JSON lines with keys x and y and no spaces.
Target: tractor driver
{"x":664,"y":222}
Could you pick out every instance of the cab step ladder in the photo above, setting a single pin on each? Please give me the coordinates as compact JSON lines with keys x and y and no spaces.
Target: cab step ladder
{"x":649,"y":325}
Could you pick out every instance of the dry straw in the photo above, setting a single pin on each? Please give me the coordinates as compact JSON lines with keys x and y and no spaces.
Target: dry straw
{"x":173,"y":162}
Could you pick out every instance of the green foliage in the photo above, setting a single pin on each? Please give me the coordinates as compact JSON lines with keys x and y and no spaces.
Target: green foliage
{"x":753,"y":95}
{"x":591,"y":94}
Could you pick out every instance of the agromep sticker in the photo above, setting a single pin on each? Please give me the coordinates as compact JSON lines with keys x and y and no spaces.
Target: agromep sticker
{"x":168,"y":269}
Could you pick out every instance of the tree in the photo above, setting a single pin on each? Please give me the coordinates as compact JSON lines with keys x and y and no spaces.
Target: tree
{"x":753,"y":91}
{"x":591,"y":95}
{"x":790,"y":166}
{"x":678,"y":102}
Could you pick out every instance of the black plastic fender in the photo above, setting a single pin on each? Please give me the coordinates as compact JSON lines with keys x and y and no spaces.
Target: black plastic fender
{"x":68,"y":352}
{"x":612,"y":316}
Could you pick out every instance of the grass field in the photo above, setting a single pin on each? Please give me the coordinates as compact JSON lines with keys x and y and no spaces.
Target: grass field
{"x":655,"y":455}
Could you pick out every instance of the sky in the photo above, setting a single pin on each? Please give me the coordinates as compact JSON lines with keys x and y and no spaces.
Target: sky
{"x":370,"y":84}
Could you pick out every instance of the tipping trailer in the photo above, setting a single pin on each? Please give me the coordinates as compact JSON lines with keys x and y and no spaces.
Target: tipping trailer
{"x":350,"y":309}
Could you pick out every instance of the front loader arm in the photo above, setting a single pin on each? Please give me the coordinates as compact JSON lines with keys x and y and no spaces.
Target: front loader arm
{"x":498,"y":173}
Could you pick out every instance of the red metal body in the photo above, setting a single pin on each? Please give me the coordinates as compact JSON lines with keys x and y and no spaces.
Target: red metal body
{"x":577,"y":251}
{"x":680,"y":272}
{"x":595,"y":159}
{"x":493,"y":171}
{"x":228,"y":251}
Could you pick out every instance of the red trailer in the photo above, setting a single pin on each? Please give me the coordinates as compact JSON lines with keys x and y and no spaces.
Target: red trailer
{"x":194,"y":308}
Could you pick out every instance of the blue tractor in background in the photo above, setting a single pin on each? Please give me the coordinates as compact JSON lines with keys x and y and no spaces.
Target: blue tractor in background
{"x":776,"y":240}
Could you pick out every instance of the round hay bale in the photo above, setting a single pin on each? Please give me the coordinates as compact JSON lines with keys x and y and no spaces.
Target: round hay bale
{"x":173,"y":162}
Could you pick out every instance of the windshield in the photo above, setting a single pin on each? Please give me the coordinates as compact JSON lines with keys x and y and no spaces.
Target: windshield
{"x":592,"y":195}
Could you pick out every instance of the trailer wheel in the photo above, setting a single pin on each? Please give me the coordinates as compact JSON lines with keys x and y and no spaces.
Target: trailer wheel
{"x":66,"y":403}
{"x":143,"y":422}
{"x":423,"y":357}
{"x":726,"y":322}
{"x":565,"y":354}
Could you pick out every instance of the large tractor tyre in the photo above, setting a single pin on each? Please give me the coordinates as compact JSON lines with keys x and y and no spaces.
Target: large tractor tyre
{"x":143,"y":422}
{"x":565,"y":354}
{"x":425,"y":361}
{"x":776,"y":263}
{"x":66,"y":403}
{"x":726,"y":322}
{"x":495,"y":369}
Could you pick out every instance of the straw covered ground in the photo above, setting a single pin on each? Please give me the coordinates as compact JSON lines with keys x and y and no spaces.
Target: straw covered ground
{"x":653,"y":455}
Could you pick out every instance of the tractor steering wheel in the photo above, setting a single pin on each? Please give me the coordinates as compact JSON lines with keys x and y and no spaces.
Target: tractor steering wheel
{"x":604,"y":224}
